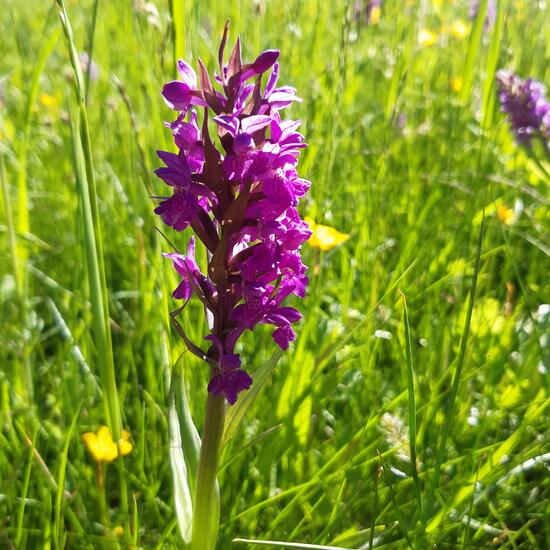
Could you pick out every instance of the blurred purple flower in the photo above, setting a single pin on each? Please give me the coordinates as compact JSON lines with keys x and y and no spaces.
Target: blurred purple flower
{"x":239,"y":194}
{"x":525,"y":103}
{"x":85,"y":61}
{"x":490,"y":15}
{"x":401,"y":121}
{"x":370,"y":9}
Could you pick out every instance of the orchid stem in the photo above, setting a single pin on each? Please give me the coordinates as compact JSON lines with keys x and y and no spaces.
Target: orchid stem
{"x":206,"y":518}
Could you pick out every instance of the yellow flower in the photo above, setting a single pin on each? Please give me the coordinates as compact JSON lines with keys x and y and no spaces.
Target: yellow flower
{"x":459,"y":29}
{"x":426,"y":37}
{"x":118,"y":531}
{"x":124,"y":446}
{"x":325,"y":237}
{"x":438,"y":4}
{"x":102,"y":447}
{"x":506,"y":215}
{"x":455,"y":84}
{"x":48,"y":100}
{"x":375,"y":15}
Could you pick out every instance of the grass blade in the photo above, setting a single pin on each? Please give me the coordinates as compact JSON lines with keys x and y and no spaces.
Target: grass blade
{"x":412,"y":404}
{"x":23,"y":376}
{"x":21,"y":511}
{"x":449,"y":411}
{"x":62,"y":469}
{"x":489,"y":95}
{"x":90,"y":51}
{"x":93,"y":242}
{"x":472,"y":53}
{"x":280,"y":544}
{"x":178,"y":16}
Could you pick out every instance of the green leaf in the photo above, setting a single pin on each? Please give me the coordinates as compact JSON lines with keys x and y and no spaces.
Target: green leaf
{"x":184,"y":454}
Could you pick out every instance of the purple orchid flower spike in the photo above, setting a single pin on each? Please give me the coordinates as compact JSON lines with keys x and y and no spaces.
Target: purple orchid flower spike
{"x":234,"y":182}
{"x":528,"y":109}
{"x":239,"y":191}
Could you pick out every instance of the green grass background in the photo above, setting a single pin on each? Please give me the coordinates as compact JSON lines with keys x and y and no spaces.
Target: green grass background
{"x":399,"y":161}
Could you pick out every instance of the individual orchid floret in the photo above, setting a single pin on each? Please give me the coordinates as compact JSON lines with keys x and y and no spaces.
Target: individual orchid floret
{"x":181,"y":94}
{"x":238,"y":190}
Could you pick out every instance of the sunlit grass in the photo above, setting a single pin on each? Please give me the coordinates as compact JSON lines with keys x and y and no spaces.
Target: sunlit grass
{"x":403,"y":160}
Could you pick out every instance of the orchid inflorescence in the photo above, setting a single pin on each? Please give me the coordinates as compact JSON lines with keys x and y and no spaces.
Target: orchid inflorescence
{"x":239,"y":194}
{"x":528,"y":109}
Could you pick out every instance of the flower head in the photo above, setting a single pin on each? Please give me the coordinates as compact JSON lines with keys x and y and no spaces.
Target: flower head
{"x":47,"y":100}
{"x":456,"y":84}
{"x":238,"y":190}
{"x":89,"y":65}
{"x":124,"y":445}
{"x":459,"y":29}
{"x":505,"y":214}
{"x":118,"y":531}
{"x":490,"y":15}
{"x":324,"y":236}
{"x":370,"y":11}
{"x":102,"y":447}
{"x":525,"y":103}
{"x":374,"y":11}
{"x":426,"y":38}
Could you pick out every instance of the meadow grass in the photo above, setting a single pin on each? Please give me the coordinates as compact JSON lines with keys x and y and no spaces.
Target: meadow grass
{"x":424,"y":335}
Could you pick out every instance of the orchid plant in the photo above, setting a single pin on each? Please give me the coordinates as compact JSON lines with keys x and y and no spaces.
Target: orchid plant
{"x":234,"y":182}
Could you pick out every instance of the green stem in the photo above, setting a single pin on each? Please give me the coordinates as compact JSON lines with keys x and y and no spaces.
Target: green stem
{"x":206,"y":514}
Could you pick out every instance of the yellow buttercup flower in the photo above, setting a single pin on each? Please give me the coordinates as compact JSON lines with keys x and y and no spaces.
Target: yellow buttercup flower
{"x":455,"y":84}
{"x":324,"y":236}
{"x":124,"y":445}
{"x":48,"y":100}
{"x":505,"y":215}
{"x":102,"y":447}
{"x":118,"y":531}
{"x":426,"y":37}
{"x":459,"y":29}
{"x":375,"y":15}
